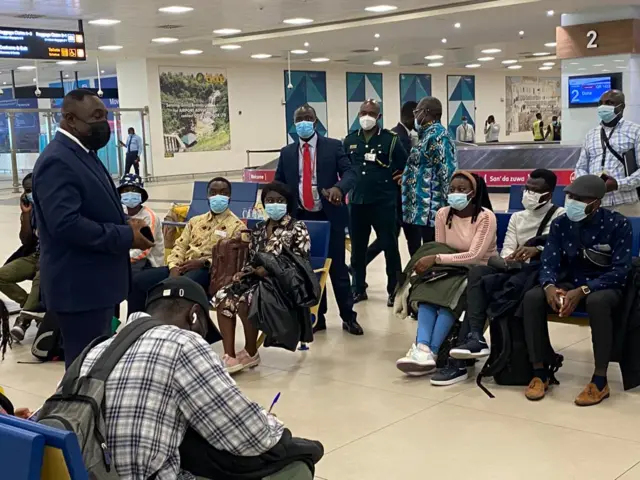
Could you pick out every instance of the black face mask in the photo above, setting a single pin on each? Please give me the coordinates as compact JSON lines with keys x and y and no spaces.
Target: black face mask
{"x":99,"y":135}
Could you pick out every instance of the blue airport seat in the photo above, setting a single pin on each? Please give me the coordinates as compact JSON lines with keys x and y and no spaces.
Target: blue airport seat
{"x":635,"y":225}
{"x":243,"y":196}
{"x":502,"y":219}
{"x":515,"y":197}
{"x":21,"y":453}
{"x":319,"y":233}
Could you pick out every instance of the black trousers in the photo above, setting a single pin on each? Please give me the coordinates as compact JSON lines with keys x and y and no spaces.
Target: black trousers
{"x":418,"y":235}
{"x":79,"y":329}
{"x":382,"y":218}
{"x":338,"y":272}
{"x":477,"y":300}
{"x":600,"y":307}
{"x":132,"y":160}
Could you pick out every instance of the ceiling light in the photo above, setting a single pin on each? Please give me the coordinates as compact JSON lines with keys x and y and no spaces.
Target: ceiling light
{"x":34,"y":80}
{"x":514,"y":67}
{"x":66,"y":75}
{"x":27,"y":67}
{"x":164,"y":40}
{"x":4,"y":83}
{"x":521,"y":32}
{"x":101,"y":71}
{"x":433,"y":57}
{"x":618,"y":61}
{"x":574,"y":63}
{"x":473,"y":65}
{"x":191,"y":51}
{"x":299,"y":52}
{"x":551,"y":64}
{"x":435,"y":64}
{"x":382,"y":63}
{"x":66,"y":62}
{"x":457,"y":25}
{"x":227,"y":31}
{"x":545,"y":68}
{"x":595,"y":65}
{"x":297,"y":21}
{"x":110,"y":48}
{"x":175,"y":9}
{"x":381,"y":8}
{"x":230,"y":47}
{"x":377,"y":35}
{"x":604,"y":70}
{"x":320,"y":59}
{"x":619,"y":66}
{"x":444,"y":40}
{"x":541,"y":54}
{"x":104,"y":22}
{"x":509,"y":62}
{"x":261,"y":56}
{"x":485,"y":59}
{"x":376,"y":49}
{"x":583,"y":69}
{"x":306,"y":44}
{"x":491,"y":50}
{"x":550,"y":13}
{"x":550,"y":44}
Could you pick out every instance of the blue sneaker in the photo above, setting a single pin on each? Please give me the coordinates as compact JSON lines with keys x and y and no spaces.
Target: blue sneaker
{"x":454,"y":372}
{"x":475,"y":346}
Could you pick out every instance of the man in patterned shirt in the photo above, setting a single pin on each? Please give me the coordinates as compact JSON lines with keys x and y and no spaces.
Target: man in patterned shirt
{"x":426,"y":178}
{"x":611,"y":150}
{"x":191,"y":255}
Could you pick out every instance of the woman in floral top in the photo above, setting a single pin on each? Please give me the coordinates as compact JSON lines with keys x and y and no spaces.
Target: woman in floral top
{"x":271,"y":236}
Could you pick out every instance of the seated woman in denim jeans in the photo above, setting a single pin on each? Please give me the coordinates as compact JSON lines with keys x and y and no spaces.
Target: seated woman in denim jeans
{"x":469,"y":226}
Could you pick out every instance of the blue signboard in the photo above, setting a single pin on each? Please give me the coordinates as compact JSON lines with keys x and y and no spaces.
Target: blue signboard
{"x":27,"y":125}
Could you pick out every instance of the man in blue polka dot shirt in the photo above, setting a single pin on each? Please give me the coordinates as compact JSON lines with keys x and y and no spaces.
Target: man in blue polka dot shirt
{"x":585,"y":265}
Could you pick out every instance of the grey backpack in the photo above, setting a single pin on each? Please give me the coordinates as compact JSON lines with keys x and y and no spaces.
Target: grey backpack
{"x":77,"y":406}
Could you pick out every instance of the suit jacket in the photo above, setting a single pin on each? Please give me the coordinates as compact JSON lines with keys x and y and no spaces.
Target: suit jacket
{"x":333,"y":169}
{"x":403,"y":136}
{"x":84,"y":236}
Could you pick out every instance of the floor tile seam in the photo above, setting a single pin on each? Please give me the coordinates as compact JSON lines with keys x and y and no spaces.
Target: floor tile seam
{"x":21,"y":390}
{"x":574,"y":343}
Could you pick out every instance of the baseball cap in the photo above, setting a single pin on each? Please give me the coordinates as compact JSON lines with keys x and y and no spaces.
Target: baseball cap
{"x":183,"y":287}
{"x":587,"y":186}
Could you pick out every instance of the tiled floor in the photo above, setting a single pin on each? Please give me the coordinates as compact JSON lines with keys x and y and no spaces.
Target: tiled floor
{"x":377,"y":424}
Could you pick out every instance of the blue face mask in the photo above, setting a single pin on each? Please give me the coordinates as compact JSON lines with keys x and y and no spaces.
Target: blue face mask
{"x":458,"y":201}
{"x":607,"y":113}
{"x":30,"y":197}
{"x":576,"y":211}
{"x":305,"y":129}
{"x":275,"y":211}
{"x":131,"y":199}
{"x":218,"y":203}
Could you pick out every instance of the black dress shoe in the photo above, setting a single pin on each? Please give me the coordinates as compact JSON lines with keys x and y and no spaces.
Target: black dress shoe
{"x":360,"y":297}
{"x":320,"y":327}
{"x":391,"y":300}
{"x":353,"y":327}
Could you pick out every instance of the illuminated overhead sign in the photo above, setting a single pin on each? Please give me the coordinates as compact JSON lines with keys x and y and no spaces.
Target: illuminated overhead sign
{"x":39,"y":44}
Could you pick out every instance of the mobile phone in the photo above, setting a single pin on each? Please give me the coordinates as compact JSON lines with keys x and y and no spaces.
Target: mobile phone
{"x":146,"y":232}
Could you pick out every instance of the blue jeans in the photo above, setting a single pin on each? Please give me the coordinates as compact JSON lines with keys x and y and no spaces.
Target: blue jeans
{"x":434,"y":324}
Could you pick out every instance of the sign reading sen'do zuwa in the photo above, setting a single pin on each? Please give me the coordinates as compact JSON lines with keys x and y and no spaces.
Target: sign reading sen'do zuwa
{"x":597,"y":39}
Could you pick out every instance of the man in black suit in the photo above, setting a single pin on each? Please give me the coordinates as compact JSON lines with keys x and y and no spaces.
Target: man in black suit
{"x":84,"y":235}
{"x":318,"y":169}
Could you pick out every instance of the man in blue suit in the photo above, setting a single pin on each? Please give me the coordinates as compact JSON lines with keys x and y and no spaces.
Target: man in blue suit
{"x":318,"y":169}
{"x":84,"y":234}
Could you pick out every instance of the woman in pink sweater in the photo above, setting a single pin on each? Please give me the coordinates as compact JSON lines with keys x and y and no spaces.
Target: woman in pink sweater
{"x":469,"y":226}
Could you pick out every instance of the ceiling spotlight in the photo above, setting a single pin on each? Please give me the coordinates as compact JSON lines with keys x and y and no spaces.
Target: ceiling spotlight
{"x":381,"y":8}
{"x":619,"y":66}
{"x":101,"y":71}
{"x":541,"y":54}
{"x":191,"y":51}
{"x":27,"y":67}
{"x":297,"y":21}
{"x":618,"y":61}
{"x":514,"y":67}
{"x":435,"y":64}
{"x":521,"y":32}
{"x":382,"y":63}
{"x":583,"y":69}
{"x":509,"y":62}
{"x":306,"y":44}
{"x":578,"y":63}
{"x":320,"y":60}
{"x":550,"y":44}
{"x":110,"y":48}
{"x":377,"y":35}
{"x":104,"y":22}
{"x":175,"y":9}
{"x":457,"y":25}
{"x":66,"y":62}
{"x":485,"y":59}
{"x":604,"y":70}
{"x":595,"y":65}
{"x":299,"y":52}
{"x":376,"y":49}
{"x":230,"y":47}
{"x":550,"y":13}
{"x":491,"y":50}
{"x":473,"y":65}
{"x":444,"y":40}
{"x":545,"y":68}
{"x":227,"y":31}
{"x":551,"y":64}
{"x":164,"y":40}
{"x":66,"y":75}
{"x":34,"y":79}
{"x":433,"y":57}
{"x":261,"y":56}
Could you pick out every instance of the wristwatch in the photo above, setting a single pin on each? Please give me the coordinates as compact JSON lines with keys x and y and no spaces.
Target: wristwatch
{"x":586,"y":290}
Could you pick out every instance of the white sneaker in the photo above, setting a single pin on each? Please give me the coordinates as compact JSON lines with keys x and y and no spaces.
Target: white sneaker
{"x":419,"y":360}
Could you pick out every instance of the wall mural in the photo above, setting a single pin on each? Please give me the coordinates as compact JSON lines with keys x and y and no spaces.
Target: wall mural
{"x":361,"y":87}
{"x":195,"y":110}
{"x":526,"y":96}
{"x":461,"y":95}
{"x":414,"y":87}
{"x":308,"y":87}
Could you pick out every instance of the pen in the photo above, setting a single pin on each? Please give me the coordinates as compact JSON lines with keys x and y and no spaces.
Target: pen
{"x":275,"y":400}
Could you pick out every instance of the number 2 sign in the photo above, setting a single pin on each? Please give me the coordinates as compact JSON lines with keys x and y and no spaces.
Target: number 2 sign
{"x":592,"y":35}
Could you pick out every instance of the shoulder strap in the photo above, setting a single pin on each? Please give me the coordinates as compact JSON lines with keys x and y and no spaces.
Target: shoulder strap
{"x":547,"y":218}
{"x":606,"y":145}
{"x":121,"y":343}
{"x":73,"y":372}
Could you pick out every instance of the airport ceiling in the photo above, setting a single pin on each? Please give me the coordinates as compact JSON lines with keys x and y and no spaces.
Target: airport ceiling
{"x":343,"y":32}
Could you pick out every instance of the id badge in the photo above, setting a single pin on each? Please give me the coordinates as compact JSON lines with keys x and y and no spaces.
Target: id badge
{"x":370,"y":157}
{"x":220,"y":233}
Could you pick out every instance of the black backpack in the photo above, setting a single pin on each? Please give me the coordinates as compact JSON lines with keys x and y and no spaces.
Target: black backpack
{"x":509,"y":362}
{"x":47,"y":346}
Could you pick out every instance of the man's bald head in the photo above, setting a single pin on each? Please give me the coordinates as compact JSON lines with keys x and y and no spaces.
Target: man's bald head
{"x":429,"y":109}
{"x":85,"y":117}
{"x":612,"y":97}
{"x":370,"y":107}
{"x":305,"y":113}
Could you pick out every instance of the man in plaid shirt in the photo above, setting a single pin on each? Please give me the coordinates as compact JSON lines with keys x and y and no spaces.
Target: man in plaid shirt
{"x":170,"y":380}
{"x":596,"y":158}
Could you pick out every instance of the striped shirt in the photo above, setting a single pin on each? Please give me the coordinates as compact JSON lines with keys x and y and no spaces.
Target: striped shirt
{"x":622,"y":138}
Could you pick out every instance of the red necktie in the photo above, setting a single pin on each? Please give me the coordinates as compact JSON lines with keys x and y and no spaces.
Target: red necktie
{"x":307,"y":194}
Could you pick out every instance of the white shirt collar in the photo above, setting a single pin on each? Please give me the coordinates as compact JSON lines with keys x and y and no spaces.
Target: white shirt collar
{"x":313,"y":141}
{"x":64,"y":132}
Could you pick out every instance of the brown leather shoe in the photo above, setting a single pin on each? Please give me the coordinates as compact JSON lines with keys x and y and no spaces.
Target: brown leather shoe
{"x":592,"y":396}
{"x":536,"y":389}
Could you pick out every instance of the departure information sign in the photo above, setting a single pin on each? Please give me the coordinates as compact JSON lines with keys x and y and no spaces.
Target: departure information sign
{"x":41,"y":44}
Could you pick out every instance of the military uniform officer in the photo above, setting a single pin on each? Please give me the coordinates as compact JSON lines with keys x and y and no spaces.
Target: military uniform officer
{"x":378,"y":158}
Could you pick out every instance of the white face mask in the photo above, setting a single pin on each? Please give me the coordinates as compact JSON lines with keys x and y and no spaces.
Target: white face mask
{"x":531,"y":200}
{"x":367,"y":122}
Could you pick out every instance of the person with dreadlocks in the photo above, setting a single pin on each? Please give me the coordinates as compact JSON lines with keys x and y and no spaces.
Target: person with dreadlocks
{"x":5,"y":334}
{"x":467,"y":225}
